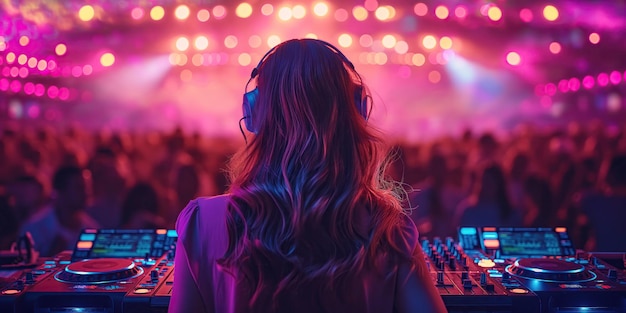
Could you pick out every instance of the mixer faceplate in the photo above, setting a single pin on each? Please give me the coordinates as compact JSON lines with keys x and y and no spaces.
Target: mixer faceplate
{"x":99,"y":271}
{"x":550,"y":270}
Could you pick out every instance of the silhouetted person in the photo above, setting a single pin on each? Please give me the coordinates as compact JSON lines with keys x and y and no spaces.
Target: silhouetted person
{"x":606,"y":209}
{"x":56,"y":227}
{"x":141,"y":208}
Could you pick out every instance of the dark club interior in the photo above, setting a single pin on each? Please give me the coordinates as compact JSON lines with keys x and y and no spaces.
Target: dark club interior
{"x":504,"y":121}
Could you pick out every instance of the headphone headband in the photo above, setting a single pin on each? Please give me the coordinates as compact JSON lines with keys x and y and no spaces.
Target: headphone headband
{"x":250,"y":97}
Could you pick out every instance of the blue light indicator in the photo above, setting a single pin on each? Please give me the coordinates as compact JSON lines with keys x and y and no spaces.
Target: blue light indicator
{"x":87,"y":237}
{"x":172,"y":233}
{"x":490,"y":235}
{"x":468,"y":231}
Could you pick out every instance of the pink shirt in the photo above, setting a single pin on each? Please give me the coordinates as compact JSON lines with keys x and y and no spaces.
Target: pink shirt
{"x":200,"y":286}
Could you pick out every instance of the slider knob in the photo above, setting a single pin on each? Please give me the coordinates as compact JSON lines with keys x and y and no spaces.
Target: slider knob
{"x":506,"y":276}
{"x":464,"y":276}
{"x":440,"y":278}
{"x":467,"y":284}
{"x":483,"y":279}
{"x":612,"y":274}
{"x":452,"y":263}
{"x":154,"y":276}
{"x":29,"y":278}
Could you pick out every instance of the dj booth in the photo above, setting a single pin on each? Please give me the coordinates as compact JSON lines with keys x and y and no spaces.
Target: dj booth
{"x":486,"y":269}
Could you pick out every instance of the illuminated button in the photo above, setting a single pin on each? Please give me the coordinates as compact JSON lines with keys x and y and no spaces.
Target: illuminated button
{"x":519,"y":290}
{"x":161,"y":231}
{"x":10,"y":292}
{"x":486,"y":263}
{"x":65,"y":262}
{"x":468,"y":231}
{"x":142,"y":290}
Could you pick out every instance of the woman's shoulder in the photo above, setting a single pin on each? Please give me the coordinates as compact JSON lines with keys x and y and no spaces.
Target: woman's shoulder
{"x":201,"y":212}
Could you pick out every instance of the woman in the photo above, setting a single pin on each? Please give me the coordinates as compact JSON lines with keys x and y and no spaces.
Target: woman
{"x":309,"y":225}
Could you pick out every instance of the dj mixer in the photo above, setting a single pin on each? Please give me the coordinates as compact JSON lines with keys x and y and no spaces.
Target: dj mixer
{"x":485,"y":269}
{"x":109,"y":271}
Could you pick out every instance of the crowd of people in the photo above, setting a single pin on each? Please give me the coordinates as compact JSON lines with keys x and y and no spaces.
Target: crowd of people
{"x":55,"y":182}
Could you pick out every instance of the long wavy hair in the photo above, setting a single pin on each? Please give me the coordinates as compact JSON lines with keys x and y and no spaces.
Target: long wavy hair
{"x":309,"y":205}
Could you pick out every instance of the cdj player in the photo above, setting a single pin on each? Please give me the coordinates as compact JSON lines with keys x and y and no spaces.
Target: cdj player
{"x":543,"y":262}
{"x":109,"y":271}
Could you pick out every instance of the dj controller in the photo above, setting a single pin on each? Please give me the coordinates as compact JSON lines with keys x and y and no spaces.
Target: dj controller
{"x":486,"y":269}
{"x":491,"y":269}
{"x":109,"y":271}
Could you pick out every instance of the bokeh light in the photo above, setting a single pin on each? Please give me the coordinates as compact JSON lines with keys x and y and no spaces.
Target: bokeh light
{"x":320,"y":9}
{"x":341,"y":15}
{"x":10,"y":57}
{"x":603,"y":79}
{"x":588,"y":82}
{"x":86,"y":13}
{"x":24,"y":40}
{"x":244,"y":59}
{"x":420,"y":9}
{"x":219,"y":11}
{"x":298,"y":11}
{"x":60,"y":49}
{"x":22,"y":59}
{"x":434,"y":76}
{"x":32,"y":62}
{"x":243,"y":10}
{"x":513,"y":58}
{"x":615,"y":77}
{"x":442,"y":12}
{"x":107,"y":59}
{"x":418,"y":59}
{"x":389,"y":41}
{"x":182,"y":12}
{"x":157,"y":13}
{"x":429,"y":42}
{"x":494,"y":13}
{"x":445,"y":42}
{"x":401,"y":47}
{"x":594,"y":38}
{"x":137,"y":13}
{"x":201,"y":43}
{"x":345,"y":40}
{"x":285,"y":13}
{"x":42,"y":65}
{"x":366,"y":40}
{"x":255,"y":41}
{"x":550,"y":13}
{"x":359,"y":13}
{"x":460,"y":12}
{"x":182,"y":43}
{"x":555,"y":47}
{"x":273,"y":41}
{"x":186,"y":75}
{"x":383,"y":13}
{"x":267,"y":9}
{"x":87,"y":69}
{"x":526,"y":15}
{"x":203,"y":15}
{"x":231,"y":42}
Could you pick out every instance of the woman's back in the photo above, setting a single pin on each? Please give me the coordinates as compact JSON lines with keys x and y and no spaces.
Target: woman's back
{"x":203,"y":234}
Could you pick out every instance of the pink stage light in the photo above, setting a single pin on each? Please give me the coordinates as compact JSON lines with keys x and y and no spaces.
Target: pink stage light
{"x":603,"y":79}
{"x":6,"y":71}
{"x":550,"y":89}
{"x":23,"y":72}
{"x":460,"y":12}
{"x":615,"y":77}
{"x":588,"y":82}
{"x":39,"y":90}
{"x":4,"y":84}
{"x":29,"y":88}
{"x":563,"y":87}
{"x":15,"y":86}
{"x":574,"y":84}
{"x":137,"y":13}
{"x":526,"y":15}
{"x":33,"y":111}
{"x":64,"y":93}
{"x":53,"y":92}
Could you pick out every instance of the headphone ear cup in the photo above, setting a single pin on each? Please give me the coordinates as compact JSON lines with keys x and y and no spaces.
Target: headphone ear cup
{"x":360,"y":100}
{"x":249,"y":102}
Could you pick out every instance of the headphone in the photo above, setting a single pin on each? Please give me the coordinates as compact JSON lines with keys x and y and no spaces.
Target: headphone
{"x":250,"y":98}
